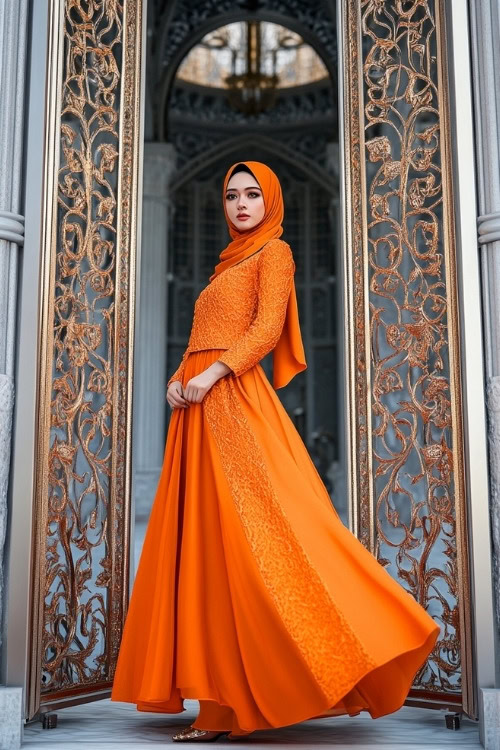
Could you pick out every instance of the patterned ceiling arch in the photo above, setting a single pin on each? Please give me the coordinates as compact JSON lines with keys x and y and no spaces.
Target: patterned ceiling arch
{"x":315,"y":172}
{"x":185,"y":24}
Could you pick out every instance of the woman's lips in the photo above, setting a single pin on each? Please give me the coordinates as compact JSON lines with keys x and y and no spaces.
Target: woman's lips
{"x":243,"y":217}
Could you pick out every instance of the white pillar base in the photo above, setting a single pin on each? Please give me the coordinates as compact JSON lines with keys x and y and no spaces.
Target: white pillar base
{"x":11,"y":720}
{"x":489,"y":718}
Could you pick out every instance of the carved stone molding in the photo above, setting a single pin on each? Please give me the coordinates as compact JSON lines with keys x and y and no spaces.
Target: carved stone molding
{"x":299,"y":106}
{"x":12,"y":227}
{"x":488,"y":227}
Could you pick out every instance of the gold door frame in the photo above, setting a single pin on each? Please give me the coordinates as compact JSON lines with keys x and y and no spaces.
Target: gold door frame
{"x":99,"y":178}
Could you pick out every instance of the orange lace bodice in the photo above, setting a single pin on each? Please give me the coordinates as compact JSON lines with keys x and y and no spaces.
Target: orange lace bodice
{"x":243,"y":309}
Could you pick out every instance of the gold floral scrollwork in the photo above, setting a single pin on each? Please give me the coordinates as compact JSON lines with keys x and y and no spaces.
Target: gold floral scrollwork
{"x":414,"y":455}
{"x":85,"y":583}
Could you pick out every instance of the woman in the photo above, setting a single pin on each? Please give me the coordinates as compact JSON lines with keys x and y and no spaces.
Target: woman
{"x":251,"y":595}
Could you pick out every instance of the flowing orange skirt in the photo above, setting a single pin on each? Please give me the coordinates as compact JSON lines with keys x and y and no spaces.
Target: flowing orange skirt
{"x":251,"y":595}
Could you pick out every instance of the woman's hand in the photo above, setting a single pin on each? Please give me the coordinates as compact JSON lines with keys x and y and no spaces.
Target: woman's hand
{"x":175,"y":396}
{"x":198,"y":386}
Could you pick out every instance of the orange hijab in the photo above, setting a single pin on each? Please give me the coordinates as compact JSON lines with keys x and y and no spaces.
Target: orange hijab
{"x":288,"y":354}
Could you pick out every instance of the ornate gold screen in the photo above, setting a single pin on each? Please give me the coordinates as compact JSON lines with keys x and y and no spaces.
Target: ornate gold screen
{"x":83,"y":487}
{"x":401,"y":328}
{"x":407,"y":451}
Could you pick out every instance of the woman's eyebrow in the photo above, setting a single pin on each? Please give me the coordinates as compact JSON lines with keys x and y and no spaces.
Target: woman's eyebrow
{"x":252,"y":187}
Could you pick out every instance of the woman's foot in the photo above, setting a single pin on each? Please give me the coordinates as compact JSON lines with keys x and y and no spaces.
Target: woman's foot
{"x":191,"y":734}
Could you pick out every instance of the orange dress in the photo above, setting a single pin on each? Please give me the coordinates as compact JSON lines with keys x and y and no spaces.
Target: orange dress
{"x":251,"y":595}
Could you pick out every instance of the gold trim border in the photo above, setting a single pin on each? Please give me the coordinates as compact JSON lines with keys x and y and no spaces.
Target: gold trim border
{"x":127,"y":239}
{"x":469,"y":696}
{"x":356,"y":278}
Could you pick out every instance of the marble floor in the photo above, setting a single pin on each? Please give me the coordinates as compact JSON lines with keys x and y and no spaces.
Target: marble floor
{"x":106,"y":725}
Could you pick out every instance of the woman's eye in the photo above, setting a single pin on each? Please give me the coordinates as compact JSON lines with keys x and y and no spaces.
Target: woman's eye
{"x":233,"y":195}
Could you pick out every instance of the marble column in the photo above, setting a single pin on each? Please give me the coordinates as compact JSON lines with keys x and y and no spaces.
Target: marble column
{"x":485,"y":39}
{"x":150,"y":379}
{"x":13,"y":22}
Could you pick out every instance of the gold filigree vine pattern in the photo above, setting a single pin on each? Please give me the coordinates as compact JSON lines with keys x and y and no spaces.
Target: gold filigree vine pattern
{"x":413,"y":454}
{"x":78,"y":554}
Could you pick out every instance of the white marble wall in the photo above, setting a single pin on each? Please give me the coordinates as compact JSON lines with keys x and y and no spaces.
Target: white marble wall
{"x":490,"y":718}
{"x":12,"y":69}
{"x":150,"y":377}
{"x":13,"y":20}
{"x":485,"y":40}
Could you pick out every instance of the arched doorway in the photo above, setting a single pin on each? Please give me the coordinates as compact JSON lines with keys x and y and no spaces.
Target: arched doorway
{"x":404,"y":450}
{"x":297,"y":134}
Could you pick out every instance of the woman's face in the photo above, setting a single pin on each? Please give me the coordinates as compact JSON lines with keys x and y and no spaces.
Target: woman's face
{"x":244,"y":201}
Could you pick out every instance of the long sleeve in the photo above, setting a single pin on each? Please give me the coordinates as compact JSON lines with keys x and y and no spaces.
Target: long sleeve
{"x":275,"y":279}
{"x":177,"y":375}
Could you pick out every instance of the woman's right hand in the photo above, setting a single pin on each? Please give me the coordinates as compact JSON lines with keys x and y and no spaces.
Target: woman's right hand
{"x":175,"y":396}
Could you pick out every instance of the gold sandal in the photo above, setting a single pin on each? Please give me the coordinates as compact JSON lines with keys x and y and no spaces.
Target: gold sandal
{"x":192,"y":734}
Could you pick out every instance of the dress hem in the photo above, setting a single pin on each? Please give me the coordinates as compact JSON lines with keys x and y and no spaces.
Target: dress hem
{"x":425,"y":644}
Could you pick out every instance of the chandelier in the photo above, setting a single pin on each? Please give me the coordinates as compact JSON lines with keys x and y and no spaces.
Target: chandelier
{"x":251,"y":61}
{"x":253,"y":91}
